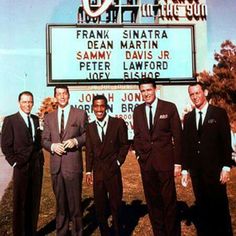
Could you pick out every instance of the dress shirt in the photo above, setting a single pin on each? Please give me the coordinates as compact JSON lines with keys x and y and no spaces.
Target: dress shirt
{"x":25,"y":117}
{"x":147,"y":110}
{"x":66,"y":115}
{"x":101,"y":124}
{"x":204,"y":111}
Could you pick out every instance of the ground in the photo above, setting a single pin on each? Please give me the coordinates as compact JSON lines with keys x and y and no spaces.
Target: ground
{"x":135,"y":217}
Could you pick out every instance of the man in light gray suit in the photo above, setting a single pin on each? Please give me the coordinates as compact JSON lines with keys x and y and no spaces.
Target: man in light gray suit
{"x":63,"y":136}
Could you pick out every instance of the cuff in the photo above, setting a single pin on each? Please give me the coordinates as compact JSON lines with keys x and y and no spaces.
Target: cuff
{"x":52,"y":148}
{"x":184,"y":172}
{"x":226,"y":168}
{"x":76,"y":142}
{"x":88,"y":173}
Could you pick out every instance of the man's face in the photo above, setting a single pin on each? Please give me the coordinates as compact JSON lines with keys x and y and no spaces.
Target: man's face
{"x":198,"y":96}
{"x":62,"y":97}
{"x":148,"y":93}
{"x":99,"y":109}
{"x":26,"y":103}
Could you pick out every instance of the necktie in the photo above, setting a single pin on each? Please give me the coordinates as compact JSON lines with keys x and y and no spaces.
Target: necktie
{"x":200,"y":123}
{"x":62,"y":124}
{"x":150,"y":118}
{"x":102,"y":127}
{"x":29,"y":126}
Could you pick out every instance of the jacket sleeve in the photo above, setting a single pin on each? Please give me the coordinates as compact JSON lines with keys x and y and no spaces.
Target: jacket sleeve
{"x":89,"y":155}
{"x":124,"y":142}
{"x":177,"y":134}
{"x":19,"y":155}
{"x":81,"y":139}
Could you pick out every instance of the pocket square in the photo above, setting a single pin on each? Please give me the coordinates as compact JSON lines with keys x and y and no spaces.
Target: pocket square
{"x":163,"y":116}
{"x":211,"y":121}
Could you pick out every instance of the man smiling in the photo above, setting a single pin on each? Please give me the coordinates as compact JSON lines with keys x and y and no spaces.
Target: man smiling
{"x":106,"y":149}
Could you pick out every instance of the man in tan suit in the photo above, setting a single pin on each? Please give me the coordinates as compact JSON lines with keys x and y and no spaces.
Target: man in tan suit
{"x":63,"y":136}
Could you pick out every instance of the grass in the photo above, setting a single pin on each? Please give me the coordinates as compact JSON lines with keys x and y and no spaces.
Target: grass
{"x":135,"y":215}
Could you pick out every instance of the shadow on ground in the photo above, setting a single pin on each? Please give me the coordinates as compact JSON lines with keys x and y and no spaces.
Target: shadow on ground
{"x":131,"y":214}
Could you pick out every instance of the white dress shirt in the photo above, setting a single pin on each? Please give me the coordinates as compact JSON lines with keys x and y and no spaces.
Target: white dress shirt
{"x":147,"y":110}
{"x":66,"y":115}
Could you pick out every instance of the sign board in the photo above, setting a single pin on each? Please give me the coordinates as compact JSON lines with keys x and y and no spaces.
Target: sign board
{"x":119,"y":54}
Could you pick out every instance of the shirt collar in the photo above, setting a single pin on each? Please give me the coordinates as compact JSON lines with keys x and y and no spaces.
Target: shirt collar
{"x":66,"y":108}
{"x":23,"y":114}
{"x":204,"y":109}
{"x":154,"y":104}
{"x":105,"y":120}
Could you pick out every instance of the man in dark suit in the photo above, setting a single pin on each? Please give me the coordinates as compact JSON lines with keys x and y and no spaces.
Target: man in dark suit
{"x":63,"y":136}
{"x":21,"y":144}
{"x":207,"y":156}
{"x":157,"y":143}
{"x":106,"y":149}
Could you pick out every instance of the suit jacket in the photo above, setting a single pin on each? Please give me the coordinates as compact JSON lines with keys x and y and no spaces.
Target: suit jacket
{"x":101,"y":157}
{"x":71,"y":161}
{"x":162,"y":147}
{"x":17,"y":143}
{"x":212,"y":150}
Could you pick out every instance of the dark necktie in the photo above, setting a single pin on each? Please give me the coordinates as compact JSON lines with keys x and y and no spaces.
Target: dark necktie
{"x":102,"y":127}
{"x":150,"y":118}
{"x":200,"y":123}
{"x":62,"y":124}
{"x":29,"y":126}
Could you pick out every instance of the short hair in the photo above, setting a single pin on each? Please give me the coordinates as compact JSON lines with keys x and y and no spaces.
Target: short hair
{"x":60,"y":86}
{"x":147,"y":81}
{"x":100,"y":97}
{"x":203,"y":86}
{"x":28,"y":93}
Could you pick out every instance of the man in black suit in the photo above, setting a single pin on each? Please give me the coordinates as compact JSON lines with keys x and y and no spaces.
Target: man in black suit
{"x":157,"y":143}
{"x":207,"y":156}
{"x":21,"y":146}
{"x":106,"y":149}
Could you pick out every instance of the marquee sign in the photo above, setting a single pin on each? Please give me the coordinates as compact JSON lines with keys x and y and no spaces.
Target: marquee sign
{"x":119,"y":54}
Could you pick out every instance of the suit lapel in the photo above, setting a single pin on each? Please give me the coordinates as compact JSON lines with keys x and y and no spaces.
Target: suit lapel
{"x":21,"y":120}
{"x":55,"y":118}
{"x":207,"y":116}
{"x":109,"y":130}
{"x":69,"y":121}
{"x":193,"y":120}
{"x":95,"y":132}
{"x":157,"y":113}
{"x":143,"y":116}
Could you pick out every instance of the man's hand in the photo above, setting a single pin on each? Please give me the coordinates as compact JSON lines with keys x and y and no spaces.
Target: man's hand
{"x":177,"y":170}
{"x":70,"y":143}
{"x":224,"y":176}
{"x":58,"y":148}
{"x":89,"y":178}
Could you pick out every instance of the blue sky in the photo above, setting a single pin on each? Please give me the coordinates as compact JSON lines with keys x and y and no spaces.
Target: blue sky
{"x":22,"y":42}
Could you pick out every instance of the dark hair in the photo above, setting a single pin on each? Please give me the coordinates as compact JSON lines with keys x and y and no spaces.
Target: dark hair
{"x":100,"y":97}
{"x":61,"y":86}
{"x":25,"y":93}
{"x":203,"y":86}
{"x":147,"y":81}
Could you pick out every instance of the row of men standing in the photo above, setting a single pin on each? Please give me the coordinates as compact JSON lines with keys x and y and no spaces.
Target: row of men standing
{"x":161,"y":149}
